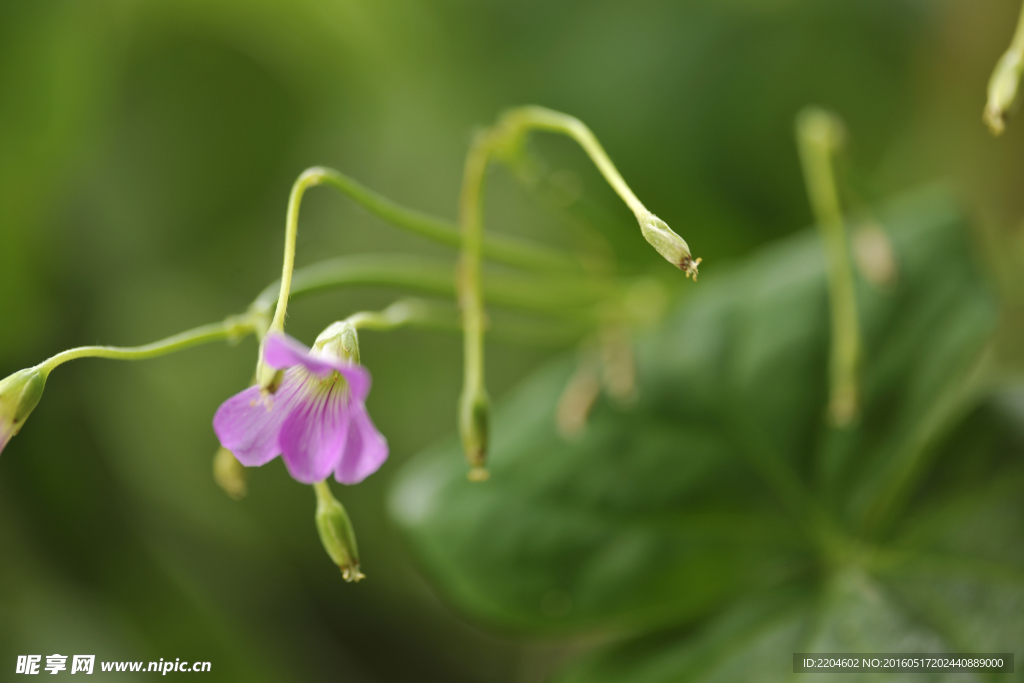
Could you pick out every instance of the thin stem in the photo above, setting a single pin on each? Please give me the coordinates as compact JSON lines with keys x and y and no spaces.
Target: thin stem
{"x":405,"y":312}
{"x":233,"y":328}
{"x":1005,"y":81}
{"x":819,"y":134}
{"x":503,"y":141}
{"x":577,"y":296}
{"x":309,"y":177}
{"x":474,"y":411}
{"x":510,"y":132}
{"x":429,"y":315}
{"x":505,"y":250}
{"x":268,"y":378}
{"x":323,"y":493}
{"x":539,"y":118}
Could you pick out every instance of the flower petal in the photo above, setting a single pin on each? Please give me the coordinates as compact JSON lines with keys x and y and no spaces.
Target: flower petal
{"x":366,"y":450}
{"x":313,"y":436}
{"x":281,"y":351}
{"x":248,"y":423}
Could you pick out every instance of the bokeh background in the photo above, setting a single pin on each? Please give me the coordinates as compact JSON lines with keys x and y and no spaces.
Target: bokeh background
{"x":146,"y":154}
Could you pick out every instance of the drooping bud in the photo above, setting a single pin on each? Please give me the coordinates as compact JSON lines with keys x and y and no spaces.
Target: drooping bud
{"x":19,"y":395}
{"x":667,"y":243}
{"x":230,"y":474}
{"x":1002,"y":89}
{"x":474,"y":427}
{"x":336,"y":533}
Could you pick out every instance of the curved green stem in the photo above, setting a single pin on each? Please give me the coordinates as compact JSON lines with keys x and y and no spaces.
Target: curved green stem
{"x":405,"y":312}
{"x":504,"y":141}
{"x":577,"y":296}
{"x":430,"y":315}
{"x":519,"y":254}
{"x":308,"y":178}
{"x":474,"y":405}
{"x":233,"y":328}
{"x":505,"y":250}
{"x":819,"y":134}
{"x":508,"y":136}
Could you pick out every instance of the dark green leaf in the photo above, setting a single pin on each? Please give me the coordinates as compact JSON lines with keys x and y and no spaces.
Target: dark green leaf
{"x":723,"y":483}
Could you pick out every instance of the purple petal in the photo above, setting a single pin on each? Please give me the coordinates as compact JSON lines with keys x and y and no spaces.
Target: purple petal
{"x":313,"y":436}
{"x":366,"y":450}
{"x":281,"y":351}
{"x":248,"y":423}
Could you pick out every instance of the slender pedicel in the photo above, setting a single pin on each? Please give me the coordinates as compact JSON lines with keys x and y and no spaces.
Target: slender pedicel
{"x":575,"y":297}
{"x":1005,"y":81}
{"x":510,"y":132}
{"x":819,"y":135}
{"x":474,"y":404}
{"x":231,"y":329}
{"x":507,"y":250}
{"x":512,"y":251}
{"x":20,"y":392}
{"x":504,"y":140}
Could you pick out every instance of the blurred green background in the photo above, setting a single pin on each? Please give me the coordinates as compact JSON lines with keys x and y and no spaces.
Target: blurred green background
{"x":146,"y":154}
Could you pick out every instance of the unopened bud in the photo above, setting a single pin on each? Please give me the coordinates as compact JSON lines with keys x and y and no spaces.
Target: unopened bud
{"x":1002,"y":90}
{"x":340,"y":340}
{"x":19,"y":395}
{"x":229,"y":474}
{"x":336,"y":533}
{"x":667,"y":243}
{"x":474,"y":426}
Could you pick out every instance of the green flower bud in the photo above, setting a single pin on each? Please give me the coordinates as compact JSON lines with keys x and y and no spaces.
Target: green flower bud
{"x":1002,"y":90}
{"x":19,"y":395}
{"x":667,"y":243}
{"x":474,"y":425}
{"x":229,"y":474}
{"x":336,"y":533}
{"x":340,"y":340}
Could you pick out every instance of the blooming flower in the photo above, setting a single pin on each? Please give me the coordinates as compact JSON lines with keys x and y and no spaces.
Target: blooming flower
{"x":316,"y":419}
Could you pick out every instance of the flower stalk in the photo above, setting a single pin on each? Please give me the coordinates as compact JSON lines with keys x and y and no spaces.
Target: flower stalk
{"x":504,"y":141}
{"x":819,"y":135}
{"x":231,"y":329}
{"x":498,"y":248}
{"x":20,"y":392}
{"x":576,"y":297}
{"x":510,"y":133}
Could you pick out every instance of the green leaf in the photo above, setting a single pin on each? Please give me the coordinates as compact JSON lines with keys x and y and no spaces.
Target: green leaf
{"x":952,"y":581}
{"x":723,"y":485}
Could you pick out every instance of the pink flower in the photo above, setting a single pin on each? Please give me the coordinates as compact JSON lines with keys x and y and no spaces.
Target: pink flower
{"x":316,"y":420}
